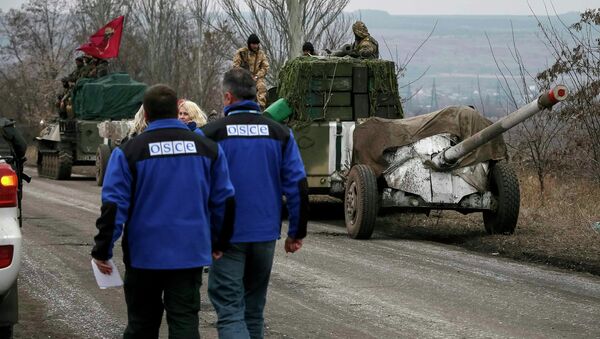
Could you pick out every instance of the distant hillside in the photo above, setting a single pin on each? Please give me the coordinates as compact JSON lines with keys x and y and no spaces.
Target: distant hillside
{"x":458,"y":51}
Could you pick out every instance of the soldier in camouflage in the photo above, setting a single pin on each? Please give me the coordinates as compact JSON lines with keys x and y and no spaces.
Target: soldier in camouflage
{"x":253,"y":59}
{"x":102,"y":68}
{"x":72,"y":78}
{"x":89,"y":69}
{"x":365,"y":46}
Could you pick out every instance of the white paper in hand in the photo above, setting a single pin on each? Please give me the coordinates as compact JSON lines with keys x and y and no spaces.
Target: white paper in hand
{"x":107,"y":280}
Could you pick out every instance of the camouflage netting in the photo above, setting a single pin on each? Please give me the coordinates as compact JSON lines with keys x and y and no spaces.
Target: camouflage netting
{"x":297,"y":76}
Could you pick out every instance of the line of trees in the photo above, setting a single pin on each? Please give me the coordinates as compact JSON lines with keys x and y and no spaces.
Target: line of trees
{"x":187,"y":44}
{"x":565,"y":141}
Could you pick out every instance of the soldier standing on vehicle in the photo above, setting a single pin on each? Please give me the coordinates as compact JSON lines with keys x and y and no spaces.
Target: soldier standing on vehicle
{"x":364,"y":46}
{"x":253,"y":59}
{"x":308,"y":49}
{"x":264,"y":162}
{"x":168,"y":191}
{"x":101,"y":68}
{"x":87,"y":67}
{"x":75,"y":74}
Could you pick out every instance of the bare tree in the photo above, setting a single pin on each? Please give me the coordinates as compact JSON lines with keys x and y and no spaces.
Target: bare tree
{"x":276,"y":22}
{"x":539,"y":137}
{"x":38,"y":48}
{"x":90,"y":15}
{"x":576,"y":50}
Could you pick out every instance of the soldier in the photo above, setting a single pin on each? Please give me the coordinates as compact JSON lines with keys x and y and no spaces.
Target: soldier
{"x":253,"y":59}
{"x":89,"y":69}
{"x":72,"y":78}
{"x":365,"y":46}
{"x":102,"y":68}
{"x":308,"y":49}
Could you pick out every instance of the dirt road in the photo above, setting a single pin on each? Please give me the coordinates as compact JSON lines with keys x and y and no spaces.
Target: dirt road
{"x":334,"y":288}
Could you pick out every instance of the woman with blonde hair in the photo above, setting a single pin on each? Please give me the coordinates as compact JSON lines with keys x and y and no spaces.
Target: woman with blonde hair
{"x":139,"y":123}
{"x":190,"y":112}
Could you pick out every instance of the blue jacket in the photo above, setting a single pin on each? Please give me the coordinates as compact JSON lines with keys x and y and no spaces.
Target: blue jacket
{"x":265,"y":164}
{"x":168,"y":191}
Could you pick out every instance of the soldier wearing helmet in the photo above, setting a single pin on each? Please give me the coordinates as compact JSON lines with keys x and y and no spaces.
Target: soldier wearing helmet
{"x":364,"y":46}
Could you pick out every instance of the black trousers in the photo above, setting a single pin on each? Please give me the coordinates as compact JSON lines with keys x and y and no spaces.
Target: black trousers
{"x":148,"y":293}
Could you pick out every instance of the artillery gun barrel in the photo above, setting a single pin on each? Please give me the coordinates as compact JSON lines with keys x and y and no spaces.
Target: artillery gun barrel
{"x":545,"y":101}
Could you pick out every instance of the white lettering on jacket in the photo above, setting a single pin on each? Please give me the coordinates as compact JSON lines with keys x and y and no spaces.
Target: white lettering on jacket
{"x":247,"y":130}
{"x":172,"y":147}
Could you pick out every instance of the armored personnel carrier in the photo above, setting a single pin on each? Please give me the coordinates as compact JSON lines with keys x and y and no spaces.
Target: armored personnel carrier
{"x":73,"y":140}
{"x":356,"y":145}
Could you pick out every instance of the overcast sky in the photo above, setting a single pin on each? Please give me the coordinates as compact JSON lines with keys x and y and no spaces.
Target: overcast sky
{"x":491,"y":7}
{"x":424,"y":7}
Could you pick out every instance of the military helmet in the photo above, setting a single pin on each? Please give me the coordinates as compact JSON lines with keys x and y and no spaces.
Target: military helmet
{"x":360,"y":29}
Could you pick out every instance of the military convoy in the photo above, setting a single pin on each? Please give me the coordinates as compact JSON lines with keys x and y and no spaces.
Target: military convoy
{"x":347,"y":119}
{"x":73,"y":140}
{"x":348,"y":123}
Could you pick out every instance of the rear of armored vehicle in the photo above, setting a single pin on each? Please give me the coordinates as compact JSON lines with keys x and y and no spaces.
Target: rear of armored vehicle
{"x":74,"y":141}
{"x":327,"y":97}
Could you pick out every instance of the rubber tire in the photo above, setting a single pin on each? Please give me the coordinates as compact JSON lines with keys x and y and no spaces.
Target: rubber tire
{"x":361,"y":202}
{"x":504,"y":185}
{"x":102,"y":156}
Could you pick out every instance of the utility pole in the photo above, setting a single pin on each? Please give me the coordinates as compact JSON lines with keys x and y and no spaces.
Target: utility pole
{"x":434,"y":99}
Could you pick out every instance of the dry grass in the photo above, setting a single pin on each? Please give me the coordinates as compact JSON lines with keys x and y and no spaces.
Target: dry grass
{"x":555,"y":230}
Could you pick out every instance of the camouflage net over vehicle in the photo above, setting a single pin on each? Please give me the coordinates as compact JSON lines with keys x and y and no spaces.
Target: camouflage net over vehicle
{"x":305,"y":76}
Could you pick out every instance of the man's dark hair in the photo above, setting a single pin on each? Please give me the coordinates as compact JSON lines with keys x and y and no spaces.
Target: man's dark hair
{"x":308,"y":47}
{"x":160,"y":102}
{"x":240,"y":83}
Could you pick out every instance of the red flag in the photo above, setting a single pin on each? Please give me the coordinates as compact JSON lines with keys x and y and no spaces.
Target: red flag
{"x":105,"y":43}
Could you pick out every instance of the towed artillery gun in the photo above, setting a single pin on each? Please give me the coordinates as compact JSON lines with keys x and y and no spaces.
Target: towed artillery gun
{"x":348,"y":123}
{"x":441,"y":172}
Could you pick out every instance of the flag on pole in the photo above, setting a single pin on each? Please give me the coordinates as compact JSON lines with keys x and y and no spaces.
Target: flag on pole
{"x":105,"y":43}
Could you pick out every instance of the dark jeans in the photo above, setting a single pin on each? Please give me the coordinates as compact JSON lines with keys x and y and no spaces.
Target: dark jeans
{"x":149,"y":292}
{"x":237,"y":287}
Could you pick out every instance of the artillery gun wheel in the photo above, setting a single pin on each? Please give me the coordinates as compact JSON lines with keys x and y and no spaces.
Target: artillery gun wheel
{"x":102,"y":156}
{"x":361,"y":202}
{"x":505,"y":187}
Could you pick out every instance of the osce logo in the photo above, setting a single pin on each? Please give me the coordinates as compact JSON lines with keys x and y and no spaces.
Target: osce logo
{"x":172,"y":147}
{"x":247,"y":130}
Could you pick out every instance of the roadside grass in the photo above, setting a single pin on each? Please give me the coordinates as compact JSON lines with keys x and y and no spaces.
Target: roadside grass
{"x":555,"y":229}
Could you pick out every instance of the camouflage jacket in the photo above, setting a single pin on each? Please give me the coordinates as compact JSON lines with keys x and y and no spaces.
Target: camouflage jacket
{"x":75,"y":74}
{"x":366,"y":48}
{"x":256,"y":63}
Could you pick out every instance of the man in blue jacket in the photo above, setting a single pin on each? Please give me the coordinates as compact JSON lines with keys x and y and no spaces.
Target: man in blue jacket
{"x":265,"y":165}
{"x":168,"y":191}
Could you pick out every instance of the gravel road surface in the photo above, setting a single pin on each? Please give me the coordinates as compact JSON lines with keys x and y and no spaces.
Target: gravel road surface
{"x":334,"y":287}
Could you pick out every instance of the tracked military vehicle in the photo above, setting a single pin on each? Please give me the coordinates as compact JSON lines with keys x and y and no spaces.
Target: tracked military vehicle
{"x":73,"y":139}
{"x":347,"y":120}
